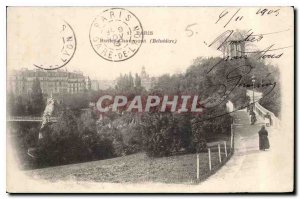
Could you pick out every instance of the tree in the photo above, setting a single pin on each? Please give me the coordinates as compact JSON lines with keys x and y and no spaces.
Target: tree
{"x":129,"y":85}
{"x":184,"y":130}
{"x":137,"y":81}
{"x":87,"y":129}
{"x":272,"y":101}
{"x":37,"y":101}
{"x":19,"y":106}
{"x":158,"y":133}
{"x":130,"y":81}
{"x":62,"y":143}
{"x":198,"y":141}
{"x":76,"y":101}
{"x":66,"y":126}
{"x":11,"y":102}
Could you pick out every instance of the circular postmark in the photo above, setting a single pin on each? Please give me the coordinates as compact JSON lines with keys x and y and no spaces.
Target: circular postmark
{"x":116,"y":35}
{"x":58,"y":46}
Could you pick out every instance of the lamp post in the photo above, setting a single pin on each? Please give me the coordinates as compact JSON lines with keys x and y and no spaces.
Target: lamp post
{"x":253,"y":82}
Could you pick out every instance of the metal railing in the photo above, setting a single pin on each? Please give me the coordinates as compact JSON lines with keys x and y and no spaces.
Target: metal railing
{"x":262,"y":112}
{"x":223,"y":146}
{"x":29,"y":119}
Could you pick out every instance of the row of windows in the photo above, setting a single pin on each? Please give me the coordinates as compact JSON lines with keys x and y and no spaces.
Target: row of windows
{"x":50,"y":84}
{"x":55,"y":90}
{"x":41,"y":81}
{"x":47,"y":74}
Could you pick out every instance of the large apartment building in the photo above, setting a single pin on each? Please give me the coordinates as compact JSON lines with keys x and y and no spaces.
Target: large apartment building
{"x":54,"y":81}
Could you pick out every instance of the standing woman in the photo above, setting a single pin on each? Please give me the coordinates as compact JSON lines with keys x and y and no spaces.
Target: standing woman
{"x":263,"y":139}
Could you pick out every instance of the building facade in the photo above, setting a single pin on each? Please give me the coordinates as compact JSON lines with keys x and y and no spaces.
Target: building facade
{"x":95,"y":85}
{"x":52,"y":82}
{"x":146,"y":81}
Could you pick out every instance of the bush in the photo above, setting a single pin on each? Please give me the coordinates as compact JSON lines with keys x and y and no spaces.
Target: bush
{"x":62,"y":142}
{"x":159,"y":131}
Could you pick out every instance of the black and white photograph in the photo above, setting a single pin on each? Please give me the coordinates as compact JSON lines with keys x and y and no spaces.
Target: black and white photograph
{"x":150,"y":99}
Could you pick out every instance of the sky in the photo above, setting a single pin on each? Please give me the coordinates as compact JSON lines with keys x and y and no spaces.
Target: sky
{"x":33,"y":37}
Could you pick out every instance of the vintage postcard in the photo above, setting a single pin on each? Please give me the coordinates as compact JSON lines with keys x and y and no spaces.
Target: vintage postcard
{"x":150,"y":99}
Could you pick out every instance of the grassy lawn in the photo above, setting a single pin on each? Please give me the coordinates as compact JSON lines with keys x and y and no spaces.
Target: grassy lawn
{"x":134,"y":168}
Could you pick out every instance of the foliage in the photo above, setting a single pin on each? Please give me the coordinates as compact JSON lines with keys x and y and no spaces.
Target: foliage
{"x":25,"y":136}
{"x":158,"y":129}
{"x":31,"y":104}
{"x":79,"y":136}
{"x":129,"y":84}
{"x":37,"y":103}
{"x":272,"y":101}
{"x":62,"y":142}
{"x":75,"y":101}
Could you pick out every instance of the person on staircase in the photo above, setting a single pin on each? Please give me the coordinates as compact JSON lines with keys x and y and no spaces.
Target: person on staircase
{"x":252,"y":117}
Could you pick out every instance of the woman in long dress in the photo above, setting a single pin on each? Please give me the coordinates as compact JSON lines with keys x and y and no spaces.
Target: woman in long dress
{"x":263,"y":139}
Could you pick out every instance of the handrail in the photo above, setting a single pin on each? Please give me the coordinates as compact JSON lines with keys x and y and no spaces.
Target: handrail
{"x":29,"y":118}
{"x":262,"y":111}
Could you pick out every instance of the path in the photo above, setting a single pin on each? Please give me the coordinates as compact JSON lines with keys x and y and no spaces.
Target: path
{"x":252,"y":170}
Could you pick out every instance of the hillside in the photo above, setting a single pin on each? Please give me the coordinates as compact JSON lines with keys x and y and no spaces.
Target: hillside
{"x":132,"y":168}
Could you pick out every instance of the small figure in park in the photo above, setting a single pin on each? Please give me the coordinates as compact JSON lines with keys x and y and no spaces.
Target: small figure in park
{"x":263,"y":139}
{"x":251,"y":112}
{"x":251,"y":109}
{"x":253,"y":117}
{"x":269,"y":118}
